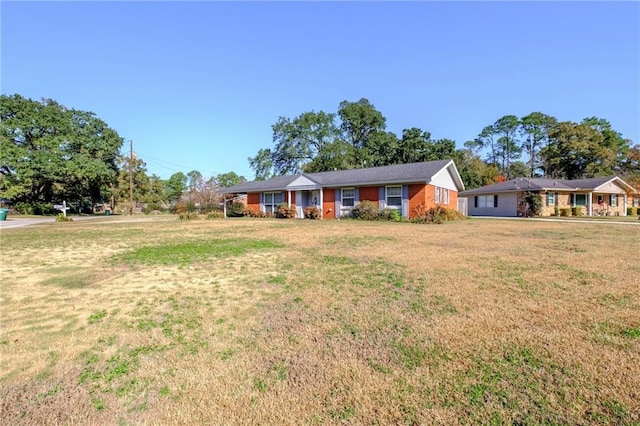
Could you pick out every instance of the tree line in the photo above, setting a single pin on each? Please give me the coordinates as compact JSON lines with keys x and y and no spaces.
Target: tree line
{"x":50,"y":153}
{"x":536,"y":145}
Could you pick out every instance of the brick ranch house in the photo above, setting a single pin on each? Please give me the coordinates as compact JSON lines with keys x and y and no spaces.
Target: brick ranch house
{"x":403,"y":187}
{"x":595,"y":196}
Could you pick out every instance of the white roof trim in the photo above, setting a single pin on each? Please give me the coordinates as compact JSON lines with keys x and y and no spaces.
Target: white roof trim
{"x":619,"y":182}
{"x":302,"y":183}
{"x":454,"y":174}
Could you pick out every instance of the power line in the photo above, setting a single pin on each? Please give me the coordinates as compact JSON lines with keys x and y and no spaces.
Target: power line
{"x":182,"y":167}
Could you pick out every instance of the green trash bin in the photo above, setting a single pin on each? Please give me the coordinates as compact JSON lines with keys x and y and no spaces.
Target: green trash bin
{"x":3,"y":214}
{"x":107,"y":212}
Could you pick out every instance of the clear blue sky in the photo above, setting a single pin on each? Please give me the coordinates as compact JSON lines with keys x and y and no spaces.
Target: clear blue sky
{"x":198,"y":85}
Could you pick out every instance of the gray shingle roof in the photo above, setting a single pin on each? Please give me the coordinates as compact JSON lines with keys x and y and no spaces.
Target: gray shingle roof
{"x":541,"y":184}
{"x":397,"y":173}
{"x":278,"y":183}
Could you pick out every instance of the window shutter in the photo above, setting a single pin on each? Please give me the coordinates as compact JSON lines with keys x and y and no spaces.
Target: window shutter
{"x":475,"y":201}
{"x":495,"y":200}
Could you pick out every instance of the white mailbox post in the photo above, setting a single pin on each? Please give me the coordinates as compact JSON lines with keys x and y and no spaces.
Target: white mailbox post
{"x":62,"y":207}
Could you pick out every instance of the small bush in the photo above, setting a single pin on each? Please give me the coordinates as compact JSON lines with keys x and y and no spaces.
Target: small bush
{"x":35,"y":208}
{"x":631,"y":211}
{"x":236,"y":209}
{"x":252,"y":213}
{"x":312,"y":212}
{"x":419,"y":211}
{"x":284,"y":212}
{"x":188,"y":216}
{"x":437,"y":214}
{"x":366,"y":210}
{"x":576,"y":211}
{"x":215,"y":214}
{"x":556,"y":211}
{"x":565,"y":211}
{"x":392,"y":215}
{"x":208,"y":208}
{"x":534,"y":203}
{"x":152,"y":207}
{"x":62,"y":218}
{"x":259,"y":214}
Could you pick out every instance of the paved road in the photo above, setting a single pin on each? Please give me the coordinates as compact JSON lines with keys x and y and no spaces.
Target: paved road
{"x":18,"y":222}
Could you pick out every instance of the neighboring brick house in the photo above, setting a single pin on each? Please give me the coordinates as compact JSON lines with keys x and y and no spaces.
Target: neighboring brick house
{"x":595,"y":196}
{"x":405,"y":187}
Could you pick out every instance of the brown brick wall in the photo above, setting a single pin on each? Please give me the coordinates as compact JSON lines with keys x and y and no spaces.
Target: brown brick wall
{"x":453,"y":199}
{"x":564,"y":201}
{"x":426,"y":195}
{"x":253,"y":201}
{"x":417,"y":196}
{"x":369,"y":193}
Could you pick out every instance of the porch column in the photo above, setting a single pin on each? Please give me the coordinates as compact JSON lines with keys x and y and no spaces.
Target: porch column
{"x":289,"y":198}
{"x":321,"y":190}
{"x":624,"y":206}
{"x":590,"y":204}
{"x":224,"y":204}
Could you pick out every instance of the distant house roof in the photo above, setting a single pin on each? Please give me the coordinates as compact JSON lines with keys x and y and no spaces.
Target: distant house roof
{"x":397,"y":173}
{"x":541,"y":184}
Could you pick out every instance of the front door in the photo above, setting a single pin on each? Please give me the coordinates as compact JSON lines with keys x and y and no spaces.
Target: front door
{"x":305,"y":199}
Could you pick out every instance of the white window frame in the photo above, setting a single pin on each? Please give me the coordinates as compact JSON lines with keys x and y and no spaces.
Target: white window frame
{"x":387,"y":196}
{"x":442,"y":196}
{"x":551,"y":196}
{"x":613,"y":200}
{"x":351,"y":197}
{"x":575,"y":200}
{"x":486,"y":201}
{"x":272,"y":206}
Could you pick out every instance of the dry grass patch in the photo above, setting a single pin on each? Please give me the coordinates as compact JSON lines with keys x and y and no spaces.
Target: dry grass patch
{"x":312,"y":322}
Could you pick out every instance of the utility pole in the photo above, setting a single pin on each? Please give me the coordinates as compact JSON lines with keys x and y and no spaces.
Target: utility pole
{"x":130,"y":177}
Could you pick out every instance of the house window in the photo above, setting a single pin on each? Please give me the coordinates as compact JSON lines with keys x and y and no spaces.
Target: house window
{"x":348,"y":197}
{"x":613,"y":200}
{"x":551,"y":199}
{"x":442,"y":195}
{"x":271,"y":201}
{"x":578,"y":200}
{"x":394,"y":197}
{"x":484,"y":201}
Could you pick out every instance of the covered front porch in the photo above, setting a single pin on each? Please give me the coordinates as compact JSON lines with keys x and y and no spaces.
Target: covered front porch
{"x":303,"y":193}
{"x":590,"y":203}
{"x":302,"y":199}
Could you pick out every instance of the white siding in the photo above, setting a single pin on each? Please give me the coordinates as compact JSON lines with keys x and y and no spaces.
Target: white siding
{"x":609,"y":188}
{"x":443,"y":179}
{"x":302,"y":182}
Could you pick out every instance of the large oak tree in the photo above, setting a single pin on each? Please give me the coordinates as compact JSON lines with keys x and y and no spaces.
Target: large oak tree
{"x":50,"y":153}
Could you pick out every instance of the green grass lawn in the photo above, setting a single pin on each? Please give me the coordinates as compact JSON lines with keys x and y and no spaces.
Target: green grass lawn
{"x":265,"y":321}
